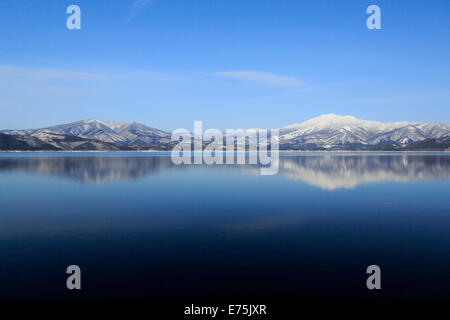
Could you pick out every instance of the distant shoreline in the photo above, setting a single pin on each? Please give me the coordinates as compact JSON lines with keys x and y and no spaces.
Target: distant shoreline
{"x":280,"y":151}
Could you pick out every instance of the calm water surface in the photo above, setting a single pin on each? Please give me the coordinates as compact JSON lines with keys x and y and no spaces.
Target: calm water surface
{"x":140,"y":227}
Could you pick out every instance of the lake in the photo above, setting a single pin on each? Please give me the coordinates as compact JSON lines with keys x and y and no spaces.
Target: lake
{"x":141,"y":227}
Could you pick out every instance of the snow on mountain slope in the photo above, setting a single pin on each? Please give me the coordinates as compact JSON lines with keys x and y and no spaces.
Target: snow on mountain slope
{"x":333,"y":130}
{"x":45,"y":141}
{"x":107,"y":131}
{"x":328,"y":130}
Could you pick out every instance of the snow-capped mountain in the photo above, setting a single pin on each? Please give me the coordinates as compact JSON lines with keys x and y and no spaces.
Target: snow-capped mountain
{"x":55,"y":142}
{"x":331,"y":130}
{"x":125,"y":133}
{"x":325,"y":131}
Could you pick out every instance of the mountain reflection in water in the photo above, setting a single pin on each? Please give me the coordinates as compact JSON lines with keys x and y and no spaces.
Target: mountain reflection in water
{"x":326,"y":171}
{"x":141,"y":227}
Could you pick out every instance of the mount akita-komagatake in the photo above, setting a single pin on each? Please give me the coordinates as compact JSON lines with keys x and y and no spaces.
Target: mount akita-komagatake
{"x":326,"y":132}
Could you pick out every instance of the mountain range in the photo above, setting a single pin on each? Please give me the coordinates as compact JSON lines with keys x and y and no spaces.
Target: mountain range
{"x":325,"y":132}
{"x":331,"y":131}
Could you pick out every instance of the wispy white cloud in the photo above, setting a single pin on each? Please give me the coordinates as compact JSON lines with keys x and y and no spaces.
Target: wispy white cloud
{"x":33,"y":81}
{"x":61,"y":81}
{"x":42,"y":74}
{"x":137,"y":6}
{"x":260,"y":77}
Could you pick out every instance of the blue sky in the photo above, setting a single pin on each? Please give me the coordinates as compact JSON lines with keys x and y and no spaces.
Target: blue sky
{"x":166,"y":63}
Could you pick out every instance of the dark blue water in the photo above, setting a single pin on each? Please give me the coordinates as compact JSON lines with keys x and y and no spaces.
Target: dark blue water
{"x":140,"y":227}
